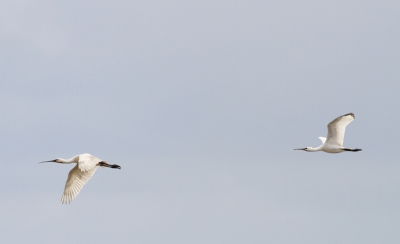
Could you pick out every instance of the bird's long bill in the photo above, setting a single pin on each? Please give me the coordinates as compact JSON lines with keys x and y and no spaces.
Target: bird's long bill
{"x":300,"y":148}
{"x":48,"y":161}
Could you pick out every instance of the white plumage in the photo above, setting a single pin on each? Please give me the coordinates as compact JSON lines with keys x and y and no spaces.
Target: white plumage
{"x":79,"y":175}
{"x":334,"y":141}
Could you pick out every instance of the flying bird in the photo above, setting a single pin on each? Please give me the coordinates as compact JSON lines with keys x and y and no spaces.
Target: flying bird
{"x":334,"y":141}
{"x":79,"y":175}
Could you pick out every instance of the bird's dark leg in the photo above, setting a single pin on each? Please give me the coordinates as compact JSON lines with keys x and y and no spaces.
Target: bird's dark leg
{"x":113,"y":166}
{"x":352,"y":150}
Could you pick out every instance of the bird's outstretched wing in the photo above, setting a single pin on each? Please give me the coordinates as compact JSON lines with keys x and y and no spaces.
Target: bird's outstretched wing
{"x":76,"y":180}
{"x":336,"y":129}
{"x":323,"y":139}
{"x":86,"y":162}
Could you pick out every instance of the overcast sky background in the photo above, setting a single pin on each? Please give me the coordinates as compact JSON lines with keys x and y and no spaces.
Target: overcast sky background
{"x":201,"y":103}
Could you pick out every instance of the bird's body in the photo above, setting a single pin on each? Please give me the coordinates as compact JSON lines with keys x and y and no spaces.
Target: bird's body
{"x":334,"y":141}
{"x":79,"y":175}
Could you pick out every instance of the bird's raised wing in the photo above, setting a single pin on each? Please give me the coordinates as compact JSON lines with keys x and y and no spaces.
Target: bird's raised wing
{"x":323,"y":139}
{"x":76,"y":180}
{"x":337,"y":127}
{"x":86,"y":162}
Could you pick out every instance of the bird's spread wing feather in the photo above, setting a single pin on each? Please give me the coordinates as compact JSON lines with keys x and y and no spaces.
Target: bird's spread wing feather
{"x":76,"y":180}
{"x":323,"y":139}
{"x":337,"y":127}
{"x":86,"y":162}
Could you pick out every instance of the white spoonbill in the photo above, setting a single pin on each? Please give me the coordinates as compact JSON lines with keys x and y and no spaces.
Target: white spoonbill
{"x":79,"y":175}
{"x":334,"y":142}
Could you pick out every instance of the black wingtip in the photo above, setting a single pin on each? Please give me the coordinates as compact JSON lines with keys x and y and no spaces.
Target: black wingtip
{"x":350,"y":114}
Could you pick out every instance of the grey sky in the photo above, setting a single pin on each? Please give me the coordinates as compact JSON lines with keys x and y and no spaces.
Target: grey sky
{"x":201,"y":103}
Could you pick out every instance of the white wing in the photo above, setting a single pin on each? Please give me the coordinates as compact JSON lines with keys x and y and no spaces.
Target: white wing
{"x":337,"y":127}
{"x":323,"y":139}
{"x":86,"y":162}
{"x":76,"y":180}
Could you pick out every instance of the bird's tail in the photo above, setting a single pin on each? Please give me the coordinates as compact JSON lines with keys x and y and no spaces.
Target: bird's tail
{"x":352,"y":150}
{"x":105,"y":164}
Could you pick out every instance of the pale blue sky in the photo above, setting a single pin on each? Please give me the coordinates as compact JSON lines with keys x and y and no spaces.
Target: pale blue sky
{"x":201,"y":103}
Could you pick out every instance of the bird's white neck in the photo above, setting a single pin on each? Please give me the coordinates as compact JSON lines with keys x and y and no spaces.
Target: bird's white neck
{"x":312,"y":149}
{"x":68,"y":161}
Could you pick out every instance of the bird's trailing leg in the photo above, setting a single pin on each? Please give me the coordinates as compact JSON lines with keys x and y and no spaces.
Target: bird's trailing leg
{"x":114,"y":166}
{"x":105,"y":164}
{"x":352,"y":150}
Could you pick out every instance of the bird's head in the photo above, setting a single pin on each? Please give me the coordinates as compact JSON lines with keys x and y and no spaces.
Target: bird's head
{"x":57,"y":160}
{"x":307,"y":149}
